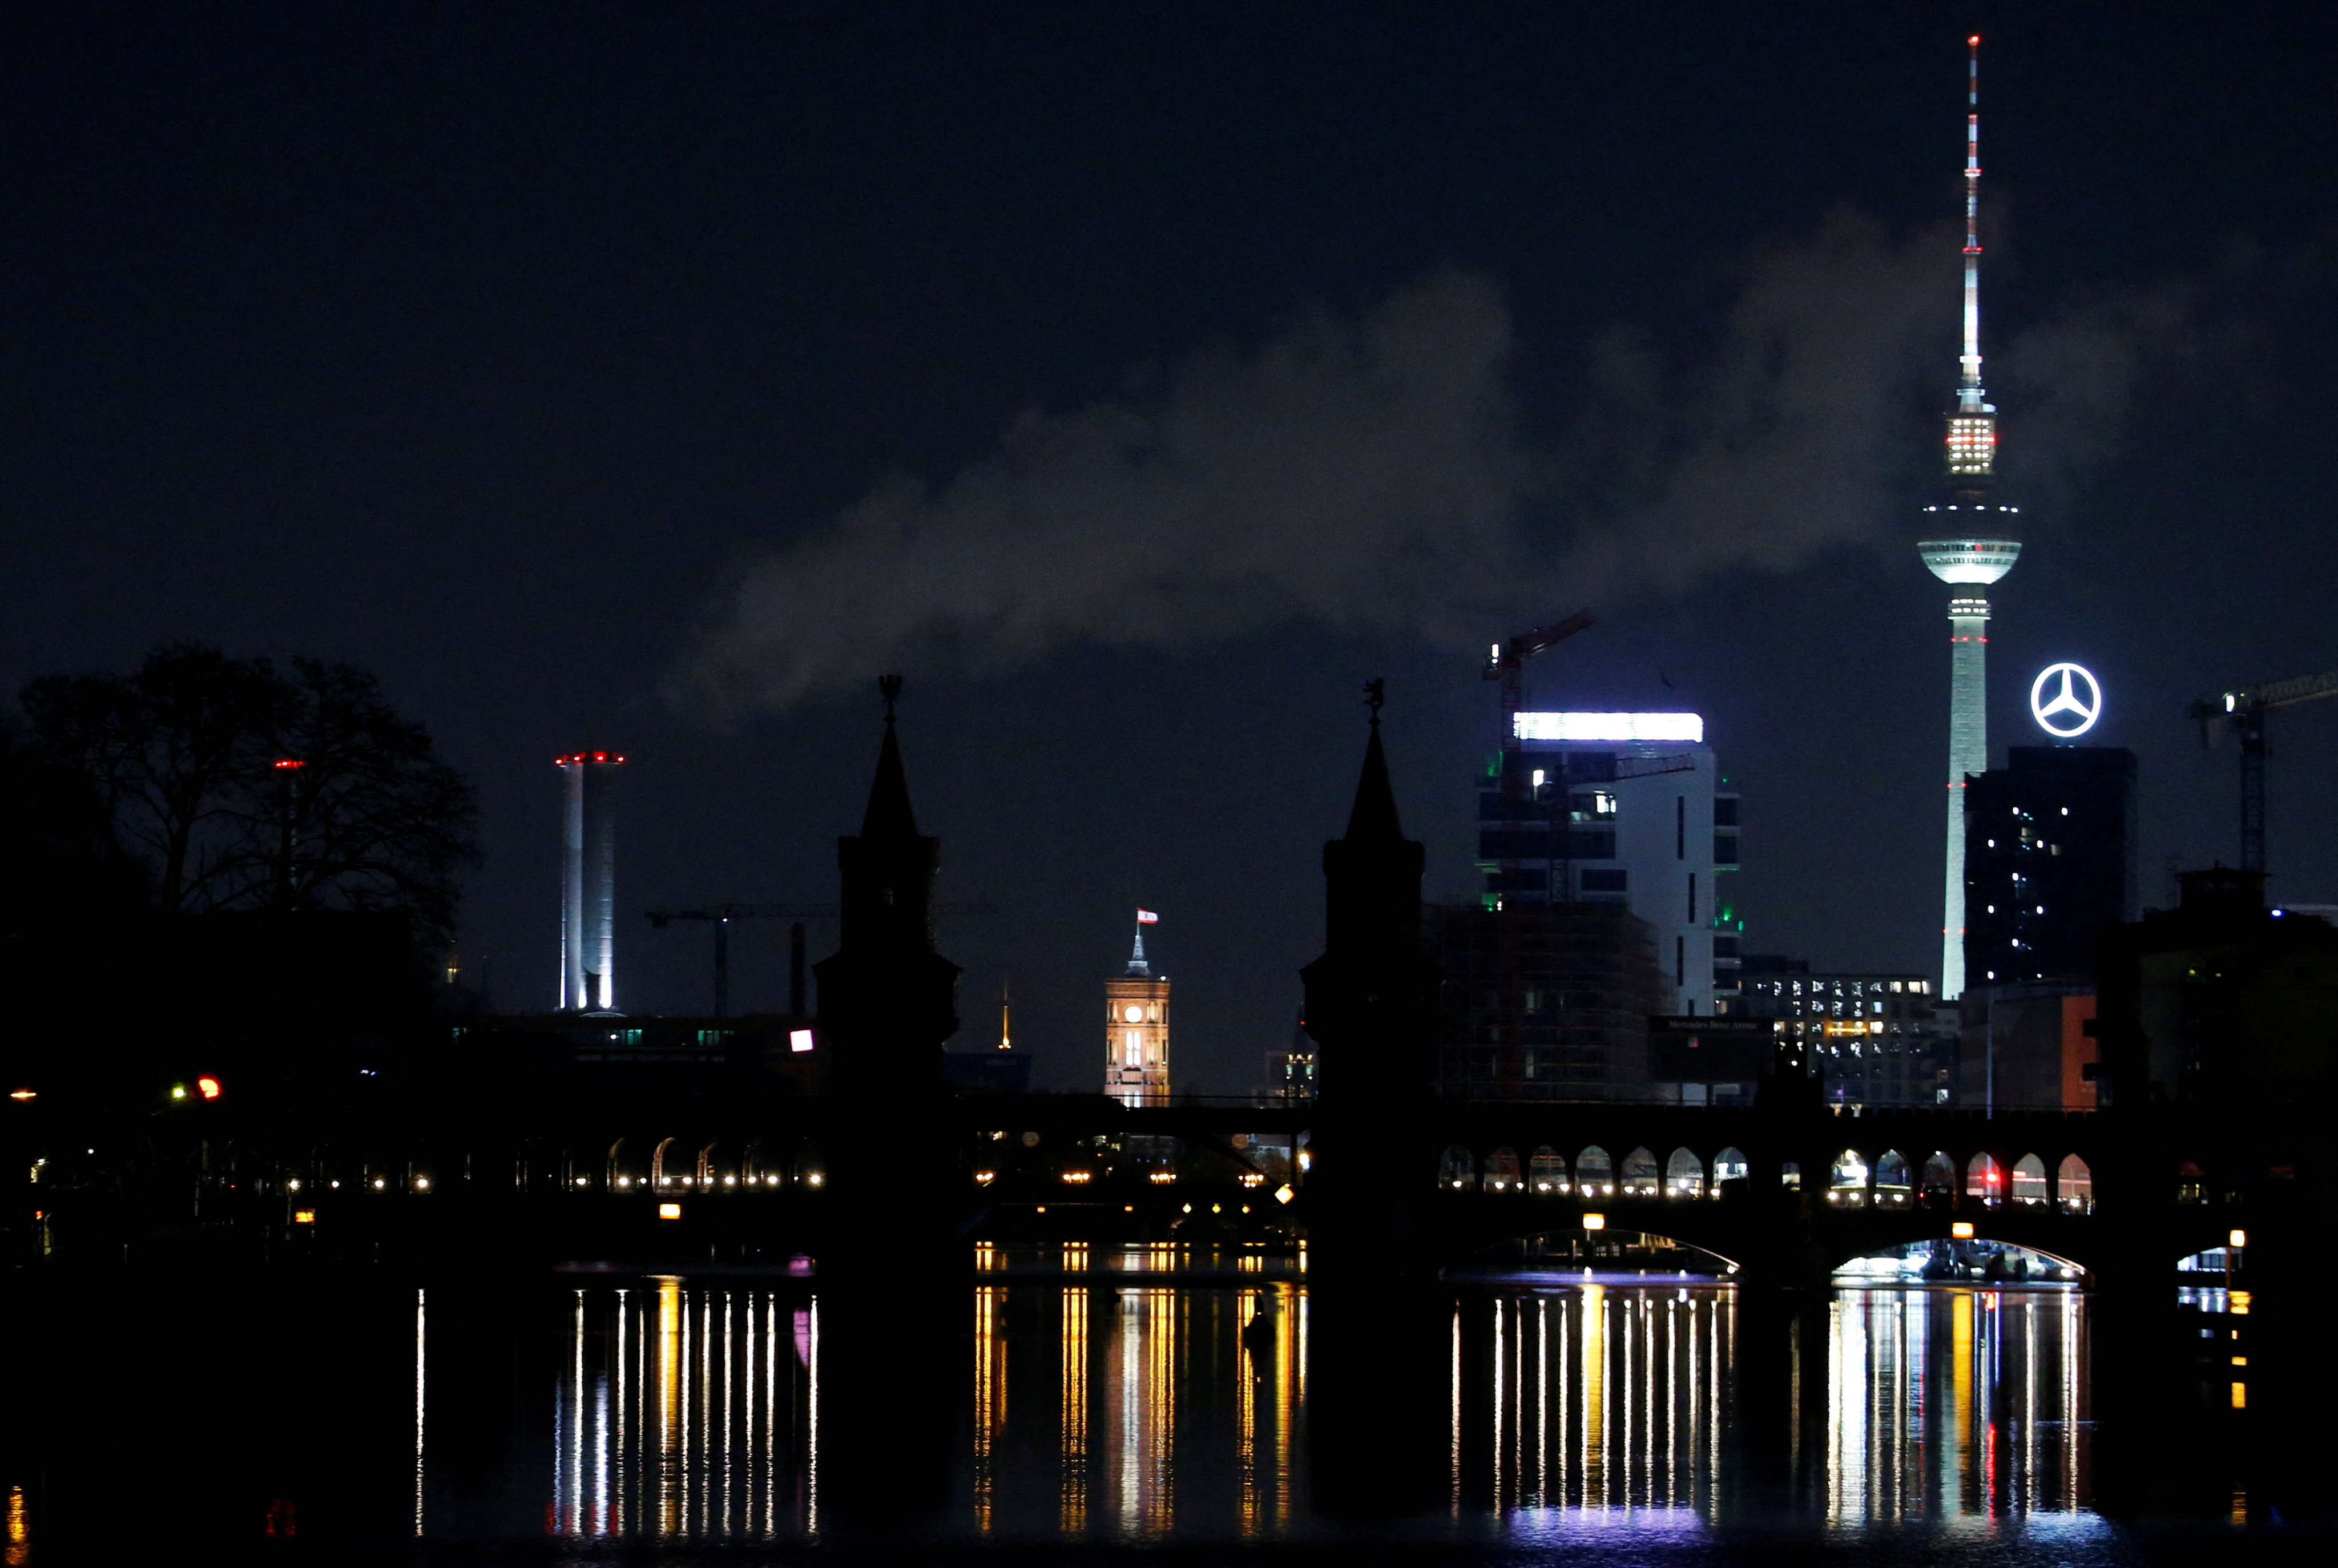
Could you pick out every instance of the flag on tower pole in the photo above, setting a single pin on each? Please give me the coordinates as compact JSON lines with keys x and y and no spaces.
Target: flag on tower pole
{"x":1147,"y":918}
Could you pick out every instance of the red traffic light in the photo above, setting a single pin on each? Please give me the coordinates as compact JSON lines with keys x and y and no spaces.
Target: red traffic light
{"x":208,"y":1087}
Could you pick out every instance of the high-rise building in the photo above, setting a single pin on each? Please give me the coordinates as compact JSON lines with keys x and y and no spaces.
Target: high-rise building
{"x":1136,"y":1031}
{"x":1969,"y":545}
{"x":2050,"y":863}
{"x":1546,"y":1001}
{"x":588,"y":883}
{"x":1622,"y":809}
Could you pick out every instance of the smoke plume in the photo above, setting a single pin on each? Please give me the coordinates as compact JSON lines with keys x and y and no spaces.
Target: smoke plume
{"x":1375,"y":473}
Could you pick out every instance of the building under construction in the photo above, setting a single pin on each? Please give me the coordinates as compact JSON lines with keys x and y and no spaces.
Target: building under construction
{"x":1546,"y":1001}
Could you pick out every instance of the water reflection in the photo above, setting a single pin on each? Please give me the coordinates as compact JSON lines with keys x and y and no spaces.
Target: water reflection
{"x":1946,"y":1403}
{"x":686,"y":1413}
{"x":1144,"y":1406}
{"x":1606,"y":1397}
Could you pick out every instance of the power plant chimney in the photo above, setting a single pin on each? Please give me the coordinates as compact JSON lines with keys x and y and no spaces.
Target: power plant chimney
{"x":588,"y":883}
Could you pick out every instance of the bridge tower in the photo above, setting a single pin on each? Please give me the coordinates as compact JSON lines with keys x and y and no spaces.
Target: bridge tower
{"x":887,"y":999}
{"x":894,"y":1176}
{"x":1372,"y":1008}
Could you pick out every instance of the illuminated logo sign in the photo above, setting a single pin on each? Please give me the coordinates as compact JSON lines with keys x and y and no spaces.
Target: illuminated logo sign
{"x":2066,"y":701}
{"x":1611,"y":727}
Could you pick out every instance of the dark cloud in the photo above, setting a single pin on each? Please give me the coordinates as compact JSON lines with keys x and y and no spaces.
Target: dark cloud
{"x":1370,"y":474}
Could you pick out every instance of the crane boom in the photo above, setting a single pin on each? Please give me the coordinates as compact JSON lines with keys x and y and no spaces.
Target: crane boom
{"x":1508,"y":663}
{"x":2242,"y":710}
{"x":2281,"y":693}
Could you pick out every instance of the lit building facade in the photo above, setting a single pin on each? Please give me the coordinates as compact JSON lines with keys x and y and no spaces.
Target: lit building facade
{"x":1136,"y":1032}
{"x":1875,"y":1040}
{"x":1624,"y":810}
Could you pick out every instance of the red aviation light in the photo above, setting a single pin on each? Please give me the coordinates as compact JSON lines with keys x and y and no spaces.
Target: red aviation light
{"x":1973,"y":42}
{"x":289,"y":762}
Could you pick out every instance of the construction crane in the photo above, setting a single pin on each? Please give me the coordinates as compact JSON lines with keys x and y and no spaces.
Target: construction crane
{"x":2242,"y":710}
{"x":719,"y":917}
{"x":1507,"y":662}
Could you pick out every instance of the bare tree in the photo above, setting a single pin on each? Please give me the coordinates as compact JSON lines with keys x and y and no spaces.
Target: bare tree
{"x":239,"y":784}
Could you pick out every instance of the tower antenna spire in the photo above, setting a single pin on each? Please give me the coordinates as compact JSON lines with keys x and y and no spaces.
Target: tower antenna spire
{"x":1968,"y":392}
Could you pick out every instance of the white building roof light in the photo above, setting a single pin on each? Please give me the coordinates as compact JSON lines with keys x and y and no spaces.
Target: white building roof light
{"x":1611,"y":727}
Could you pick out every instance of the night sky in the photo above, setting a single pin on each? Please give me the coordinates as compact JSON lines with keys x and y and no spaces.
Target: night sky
{"x":1139,"y":379}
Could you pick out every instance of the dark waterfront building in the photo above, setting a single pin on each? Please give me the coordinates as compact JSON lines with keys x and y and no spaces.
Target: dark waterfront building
{"x":2219,"y":1001}
{"x":2026,"y":1048}
{"x":2050,"y":863}
{"x":1546,"y":1001}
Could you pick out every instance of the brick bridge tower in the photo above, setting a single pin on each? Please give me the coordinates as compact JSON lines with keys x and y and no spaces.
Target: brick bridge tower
{"x":888,"y":1001}
{"x":1372,"y":1008}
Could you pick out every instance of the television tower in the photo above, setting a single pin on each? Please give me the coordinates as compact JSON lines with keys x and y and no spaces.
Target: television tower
{"x":1970,"y":545}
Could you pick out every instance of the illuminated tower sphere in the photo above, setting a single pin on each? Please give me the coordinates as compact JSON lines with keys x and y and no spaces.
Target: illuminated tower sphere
{"x":1971,"y":545}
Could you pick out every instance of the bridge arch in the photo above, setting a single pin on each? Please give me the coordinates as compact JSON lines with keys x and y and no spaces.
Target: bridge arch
{"x":1594,"y":1176}
{"x":1502,"y":1169}
{"x":1730,"y":1165}
{"x":1457,"y":1169}
{"x":2074,"y":1186}
{"x":1683,"y":1175}
{"x":1569,"y":1250}
{"x":1931,"y":1259}
{"x":2029,"y":1185}
{"x":1938,"y":1185}
{"x":1985,"y":1180}
{"x":1640,"y":1177}
{"x":1892,"y":1188}
{"x":1546,"y":1172}
{"x":1847,"y":1179}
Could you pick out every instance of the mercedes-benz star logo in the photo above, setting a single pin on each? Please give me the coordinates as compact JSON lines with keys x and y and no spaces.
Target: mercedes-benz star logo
{"x":2075,"y":704}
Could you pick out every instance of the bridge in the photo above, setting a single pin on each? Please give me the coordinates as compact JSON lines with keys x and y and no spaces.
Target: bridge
{"x":879,"y":1170}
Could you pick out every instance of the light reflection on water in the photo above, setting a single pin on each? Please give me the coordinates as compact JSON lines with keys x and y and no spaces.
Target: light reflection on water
{"x":687,"y":1413}
{"x":1148,"y":1408}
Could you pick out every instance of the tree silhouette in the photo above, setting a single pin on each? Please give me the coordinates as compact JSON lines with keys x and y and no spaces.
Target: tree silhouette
{"x":239,"y":784}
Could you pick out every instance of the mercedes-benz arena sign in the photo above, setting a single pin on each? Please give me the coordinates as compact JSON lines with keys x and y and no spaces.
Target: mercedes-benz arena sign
{"x":2066,"y":700}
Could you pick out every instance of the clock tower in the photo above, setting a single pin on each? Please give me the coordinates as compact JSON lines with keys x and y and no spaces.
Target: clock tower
{"x":1137,"y":1029}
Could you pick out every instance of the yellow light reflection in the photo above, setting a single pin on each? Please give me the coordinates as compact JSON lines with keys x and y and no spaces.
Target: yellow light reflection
{"x":1073,"y":1453}
{"x":989,"y":1397}
{"x":678,"y":1415}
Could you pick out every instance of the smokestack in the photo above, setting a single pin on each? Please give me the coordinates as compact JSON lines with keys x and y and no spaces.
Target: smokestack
{"x":588,"y":883}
